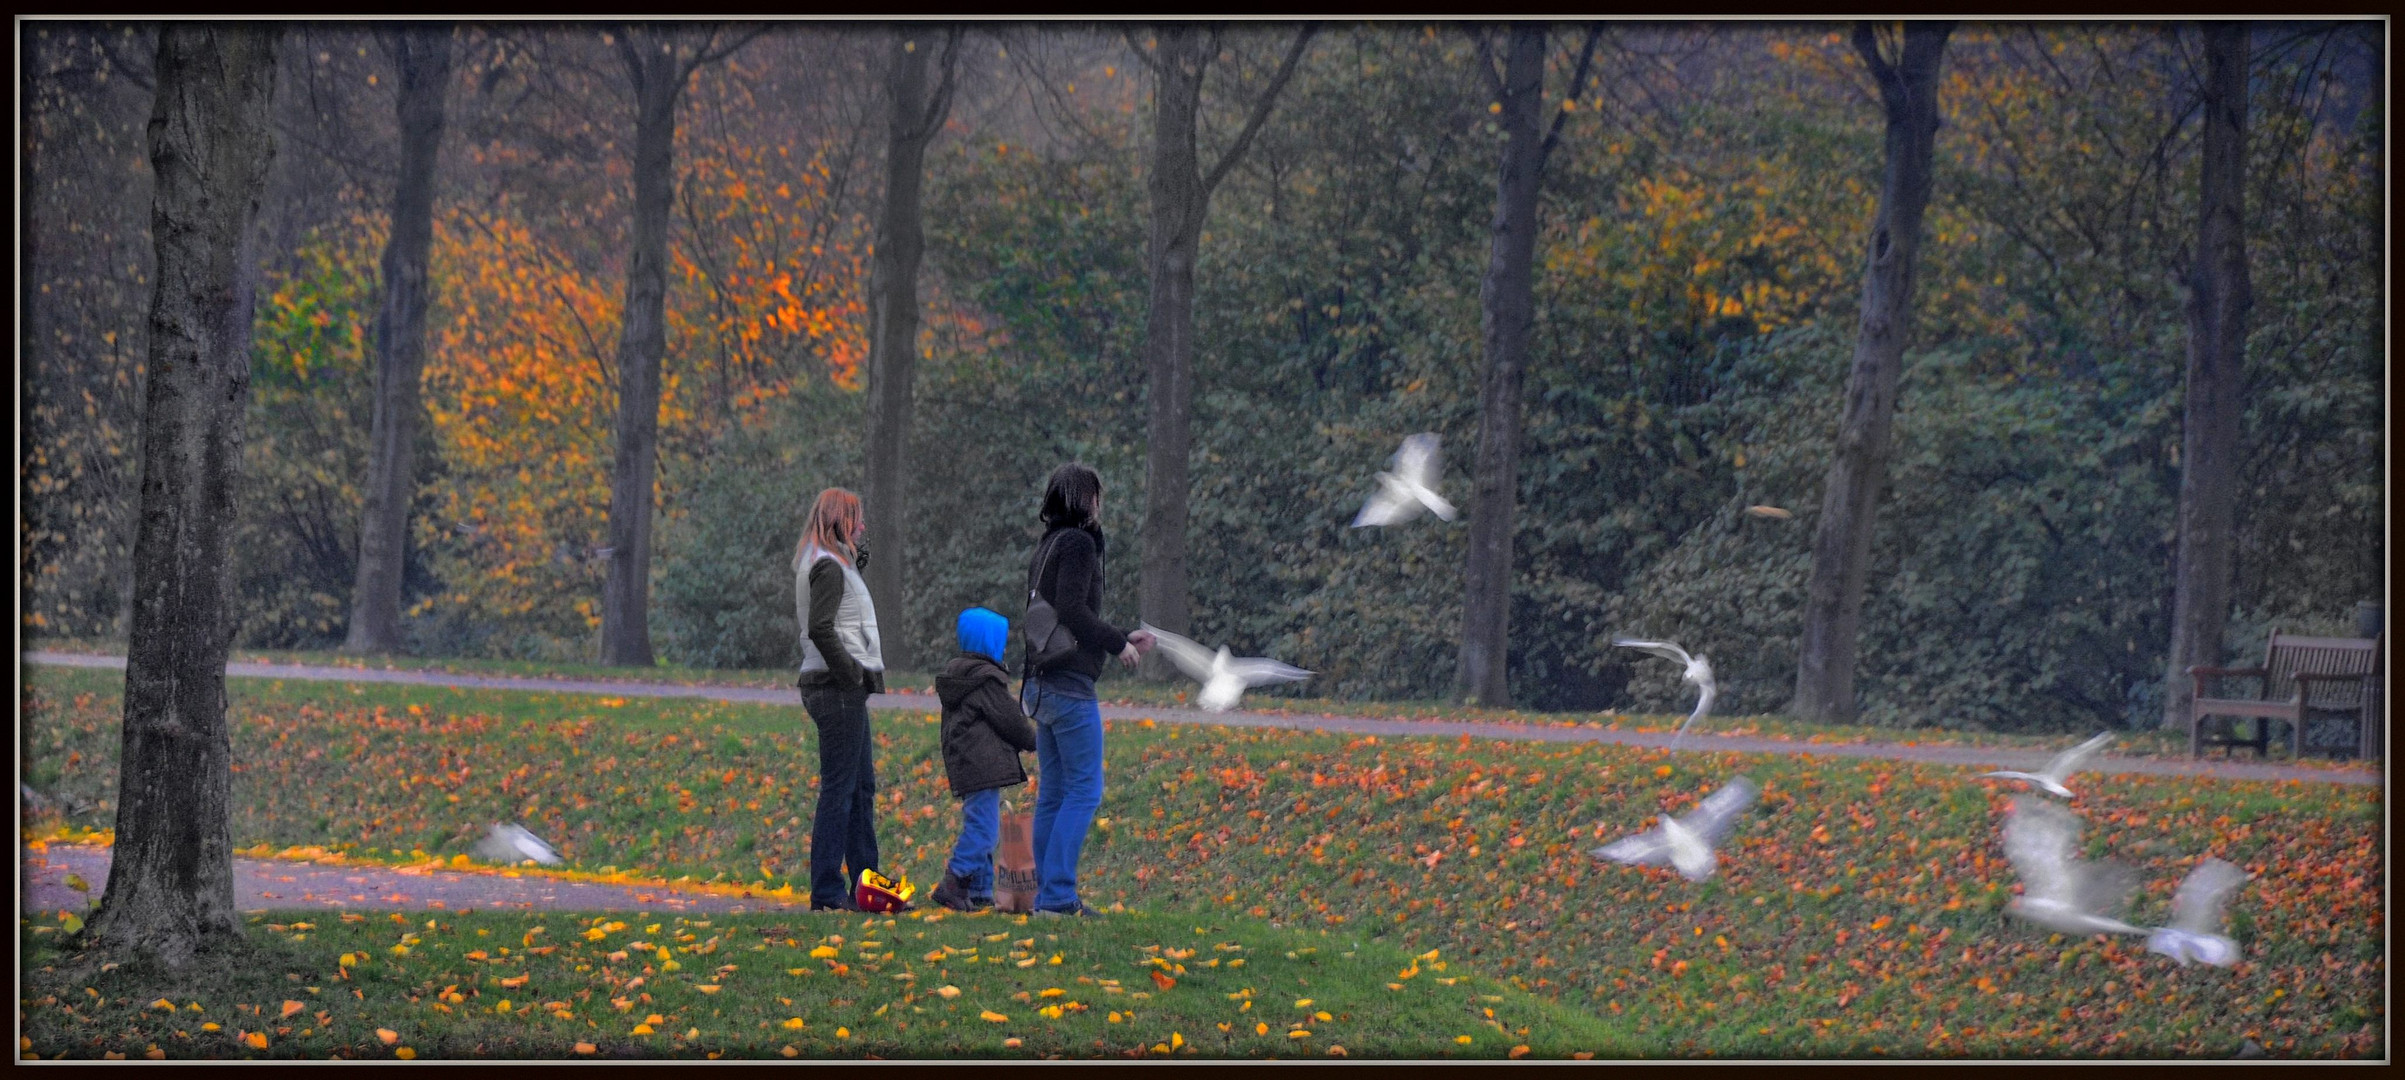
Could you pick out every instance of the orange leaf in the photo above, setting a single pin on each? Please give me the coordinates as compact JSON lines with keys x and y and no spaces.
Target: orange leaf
{"x":291,"y":1007}
{"x":1161,"y":980}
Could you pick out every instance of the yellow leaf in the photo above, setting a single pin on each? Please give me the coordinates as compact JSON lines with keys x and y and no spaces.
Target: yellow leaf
{"x":72,"y":923}
{"x":388,"y":1036}
{"x":794,"y":1023}
{"x":991,"y":1016}
{"x":256,"y":1039}
{"x":211,"y":1026}
{"x":163,"y":1003}
{"x":947,"y":992}
{"x":642,"y":1029}
{"x":291,"y":1007}
{"x":1462,"y":1039}
{"x":1302,"y":1003}
{"x":707,"y":988}
{"x":587,"y":1048}
{"x":405,"y":1054}
{"x":514,"y":982}
{"x":1322,"y":1015}
{"x":823,"y":952}
{"x":843,"y":1033}
{"x":1051,"y":991}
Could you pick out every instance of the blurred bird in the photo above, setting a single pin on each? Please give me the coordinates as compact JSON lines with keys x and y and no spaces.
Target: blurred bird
{"x":1410,"y":485}
{"x":1699,"y":672}
{"x":2195,"y":930}
{"x":1769,"y":512}
{"x":1224,"y":678}
{"x":2058,"y":891}
{"x":2060,"y":769}
{"x":1686,"y":843}
{"x":513,"y":844}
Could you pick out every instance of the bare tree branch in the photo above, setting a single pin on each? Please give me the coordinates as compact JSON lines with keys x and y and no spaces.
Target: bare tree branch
{"x":1260,"y":115}
{"x":1486,"y":64}
{"x":1578,"y":86}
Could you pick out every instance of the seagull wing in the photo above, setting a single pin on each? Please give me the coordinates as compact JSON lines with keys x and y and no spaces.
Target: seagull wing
{"x":1649,"y":848}
{"x":1386,"y":505}
{"x":1667,"y":650}
{"x":2105,"y":888}
{"x":1416,"y":462}
{"x":1260,"y":671}
{"x":2196,"y":907}
{"x":1435,"y":503}
{"x":2070,"y":761}
{"x":1189,"y":657}
{"x":2038,"y":840}
{"x":1712,"y":818}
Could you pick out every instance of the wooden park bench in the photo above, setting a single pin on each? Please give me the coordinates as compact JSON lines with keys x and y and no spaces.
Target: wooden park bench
{"x":2299,"y":675}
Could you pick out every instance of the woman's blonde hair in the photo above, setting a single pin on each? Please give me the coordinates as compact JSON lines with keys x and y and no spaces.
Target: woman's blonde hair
{"x":833,"y":519}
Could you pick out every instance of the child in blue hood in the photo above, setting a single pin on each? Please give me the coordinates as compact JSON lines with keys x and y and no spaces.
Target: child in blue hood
{"x":984,"y":732}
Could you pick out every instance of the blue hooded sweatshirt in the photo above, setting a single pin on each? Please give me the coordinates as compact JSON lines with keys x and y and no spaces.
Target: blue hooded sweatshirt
{"x":984,"y":632}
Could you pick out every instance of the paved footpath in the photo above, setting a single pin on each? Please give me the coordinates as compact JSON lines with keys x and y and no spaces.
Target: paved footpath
{"x":264,"y":884}
{"x":1352,"y":725}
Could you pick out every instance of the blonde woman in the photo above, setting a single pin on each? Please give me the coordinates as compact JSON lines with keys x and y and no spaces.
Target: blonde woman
{"x":841,"y":666}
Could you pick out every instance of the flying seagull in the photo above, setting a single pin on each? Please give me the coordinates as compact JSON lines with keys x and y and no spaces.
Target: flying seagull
{"x":1686,"y":843}
{"x":2195,"y":930}
{"x":1699,"y":672}
{"x":512,"y":844}
{"x":1409,"y":485}
{"x":1224,"y":678}
{"x":2058,"y":891}
{"x":2060,"y":769}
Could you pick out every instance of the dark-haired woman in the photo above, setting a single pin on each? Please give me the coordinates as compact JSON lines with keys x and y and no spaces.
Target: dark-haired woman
{"x":1067,"y":573}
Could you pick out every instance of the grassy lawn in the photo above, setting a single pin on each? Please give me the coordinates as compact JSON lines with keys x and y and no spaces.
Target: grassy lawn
{"x":1858,"y":912}
{"x":474,"y":984}
{"x":1121,"y":689}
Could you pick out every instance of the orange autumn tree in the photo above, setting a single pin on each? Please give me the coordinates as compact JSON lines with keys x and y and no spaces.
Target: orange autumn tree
{"x":765,"y":275}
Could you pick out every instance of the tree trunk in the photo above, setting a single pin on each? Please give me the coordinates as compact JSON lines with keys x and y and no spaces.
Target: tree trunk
{"x":2218,"y":298}
{"x":1841,"y":545}
{"x":1175,"y":232}
{"x":894,"y":331}
{"x":1508,"y":306}
{"x":170,"y":890}
{"x":642,"y":340}
{"x":1180,"y":191}
{"x":425,"y":61}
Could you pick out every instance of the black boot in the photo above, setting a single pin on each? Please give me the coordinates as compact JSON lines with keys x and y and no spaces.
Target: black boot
{"x":953,"y":892}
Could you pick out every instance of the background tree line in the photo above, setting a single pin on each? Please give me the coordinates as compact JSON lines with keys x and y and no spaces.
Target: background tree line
{"x":1695,"y":278}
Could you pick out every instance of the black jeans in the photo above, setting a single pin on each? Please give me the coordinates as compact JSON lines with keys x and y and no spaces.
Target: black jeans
{"x":844,"y":828}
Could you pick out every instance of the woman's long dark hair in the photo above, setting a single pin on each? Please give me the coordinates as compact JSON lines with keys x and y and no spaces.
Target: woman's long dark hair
{"x":1071,"y":496}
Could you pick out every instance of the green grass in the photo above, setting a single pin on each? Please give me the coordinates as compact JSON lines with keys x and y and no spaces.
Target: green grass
{"x":859,"y":985}
{"x":1858,"y":912}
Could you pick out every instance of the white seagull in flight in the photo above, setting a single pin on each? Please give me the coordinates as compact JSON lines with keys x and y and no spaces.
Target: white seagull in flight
{"x":1224,"y":678}
{"x":2060,"y":769}
{"x":1410,"y":485}
{"x":2195,"y":930}
{"x":2058,"y":891}
{"x":1686,"y":843}
{"x":1699,"y":672}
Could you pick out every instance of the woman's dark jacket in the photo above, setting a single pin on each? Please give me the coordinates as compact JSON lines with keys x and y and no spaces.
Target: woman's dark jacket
{"x":1067,"y":573}
{"x":983,"y":728}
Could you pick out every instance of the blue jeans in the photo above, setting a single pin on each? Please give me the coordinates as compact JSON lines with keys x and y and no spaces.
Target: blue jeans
{"x":1068,"y":751}
{"x":843,"y":830}
{"x":973,"y":855}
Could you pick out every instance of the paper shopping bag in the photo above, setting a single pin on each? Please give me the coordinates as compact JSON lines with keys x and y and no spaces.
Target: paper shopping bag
{"x":1014,"y":865}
